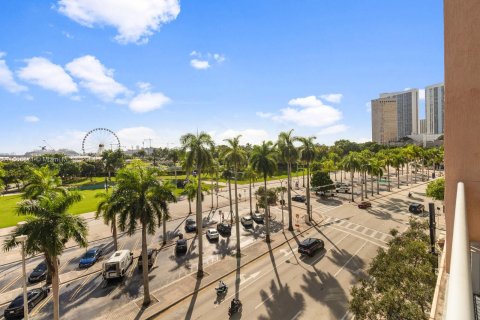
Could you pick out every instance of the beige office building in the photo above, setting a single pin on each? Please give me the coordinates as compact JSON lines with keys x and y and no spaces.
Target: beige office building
{"x":423,"y":126}
{"x":384,"y":120}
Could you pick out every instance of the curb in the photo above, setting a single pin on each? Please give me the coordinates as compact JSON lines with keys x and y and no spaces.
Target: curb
{"x":157,"y":313}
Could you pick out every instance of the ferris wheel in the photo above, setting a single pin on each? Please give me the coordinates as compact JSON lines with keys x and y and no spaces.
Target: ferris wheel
{"x":98,"y":140}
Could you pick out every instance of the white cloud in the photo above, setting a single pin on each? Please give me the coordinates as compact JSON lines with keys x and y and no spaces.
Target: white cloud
{"x":67,"y":35}
{"x":6,"y":77}
{"x":368,"y":106}
{"x":332,"y":97}
{"x":264,"y":114}
{"x":421,"y":94}
{"x":135,"y":136}
{"x":253,"y":136}
{"x":71,"y":139}
{"x":312,"y":113}
{"x":148,"y":101}
{"x":338,"y":128}
{"x":50,"y":76}
{"x":199,"y":64}
{"x":144,"y":86}
{"x":31,"y":119}
{"x":135,"y":21}
{"x":219,"y":57}
{"x":96,"y":77}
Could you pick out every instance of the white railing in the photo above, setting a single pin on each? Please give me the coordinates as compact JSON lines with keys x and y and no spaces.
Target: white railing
{"x":459,"y":304}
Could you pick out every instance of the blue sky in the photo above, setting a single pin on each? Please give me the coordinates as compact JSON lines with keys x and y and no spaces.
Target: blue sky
{"x":161,"y":68}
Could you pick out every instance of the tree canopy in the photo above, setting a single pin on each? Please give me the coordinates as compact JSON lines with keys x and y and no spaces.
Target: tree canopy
{"x":436,"y":189}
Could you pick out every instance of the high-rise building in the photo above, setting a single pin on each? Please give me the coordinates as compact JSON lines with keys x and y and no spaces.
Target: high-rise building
{"x":384,"y":120}
{"x":394,"y":116}
{"x":435,"y":108}
{"x":422,"y":126}
{"x":407,"y":111}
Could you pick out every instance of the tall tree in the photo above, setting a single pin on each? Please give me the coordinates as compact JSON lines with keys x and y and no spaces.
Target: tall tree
{"x":42,"y":181}
{"x":351,"y":164}
{"x":174,"y":155}
{"x":141,"y":197}
{"x":388,"y":159}
{"x":113,"y":160}
{"x":307,"y":155}
{"x":250,"y":175}
{"x":289,"y":154}
{"x":49,"y":227}
{"x":263,"y":161}
{"x":107,"y":210}
{"x":198,"y":155}
{"x":235,"y":157}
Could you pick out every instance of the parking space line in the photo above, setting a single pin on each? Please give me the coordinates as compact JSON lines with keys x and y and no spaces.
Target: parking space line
{"x":11,"y":283}
{"x":354,"y":255}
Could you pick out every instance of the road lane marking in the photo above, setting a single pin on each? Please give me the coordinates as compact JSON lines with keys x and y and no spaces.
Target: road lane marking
{"x":298,"y":315}
{"x":80,"y":287}
{"x":11,"y":283}
{"x":358,"y":236}
{"x":353,"y":256}
{"x":264,"y":300}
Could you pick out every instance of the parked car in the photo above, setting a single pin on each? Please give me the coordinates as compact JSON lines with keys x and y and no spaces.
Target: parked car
{"x":39,"y":273}
{"x":181,"y":246}
{"x":416,"y":208}
{"x":15,"y":308}
{"x":90,"y":257}
{"x":224,"y":229}
{"x":117,"y":265}
{"x":343,"y":189}
{"x":151,"y":254}
{"x":326,"y":193}
{"x":341,"y":184}
{"x":299,"y":198}
{"x":247,"y":221}
{"x":212,"y":234}
{"x":258,"y":218}
{"x":190,"y":225}
{"x":310,"y":245}
{"x":364,"y":205}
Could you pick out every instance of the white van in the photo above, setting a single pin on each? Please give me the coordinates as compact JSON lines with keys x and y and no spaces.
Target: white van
{"x":117,"y":265}
{"x":343,"y":189}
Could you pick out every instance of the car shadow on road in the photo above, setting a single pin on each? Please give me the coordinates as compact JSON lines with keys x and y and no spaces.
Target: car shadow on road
{"x":281,"y":303}
{"x":324,"y":288}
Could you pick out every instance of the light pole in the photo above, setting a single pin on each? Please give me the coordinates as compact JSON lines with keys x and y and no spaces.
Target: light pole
{"x":22,"y":239}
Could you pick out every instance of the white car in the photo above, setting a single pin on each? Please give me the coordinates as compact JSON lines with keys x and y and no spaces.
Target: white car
{"x":343,"y":189}
{"x":212,"y":234}
{"x":247,"y":221}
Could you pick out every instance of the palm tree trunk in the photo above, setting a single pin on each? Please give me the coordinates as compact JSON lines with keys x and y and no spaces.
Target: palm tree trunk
{"x":366,"y":184}
{"x":388,"y":177}
{"x":303,"y":173}
{"x":114,"y":232}
{"x":250,"y":193}
{"x":146,"y":285}
{"x":217,"y":190}
{"x":309,"y":212}
{"x":267,"y":215}
{"x":55,"y":288}
{"x":237,"y":222}
{"x":415,"y":174}
{"x":164,"y":229}
{"x":289,"y":195}
{"x":189,"y":205}
{"x":371,"y":183}
{"x":211,"y":191}
{"x":351,"y":176}
{"x":407,"y":172}
{"x":230,"y":198}
{"x":360,"y":176}
{"x":335,"y":173}
{"x":398,"y":178}
{"x":378,"y":184}
{"x":199,"y":225}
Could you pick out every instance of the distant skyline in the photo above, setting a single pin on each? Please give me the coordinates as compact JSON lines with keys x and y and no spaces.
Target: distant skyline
{"x":160,"y":69}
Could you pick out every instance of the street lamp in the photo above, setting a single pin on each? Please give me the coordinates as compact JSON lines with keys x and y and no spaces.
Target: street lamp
{"x":22,"y":239}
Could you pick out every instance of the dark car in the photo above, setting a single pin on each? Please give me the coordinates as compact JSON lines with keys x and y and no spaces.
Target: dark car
{"x":416,"y":208}
{"x":364,"y":205}
{"x":310,"y":245}
{"x":151,"y":256}
{"x":190,"y":225}
{"x":90,"y":257}
{"x":181,"y":246}
{"x":224,"y":229}
{"x":299,"y":198}
{"x":39,"y":273}
{"x":258,"y":218}
{"x":34,"y":296}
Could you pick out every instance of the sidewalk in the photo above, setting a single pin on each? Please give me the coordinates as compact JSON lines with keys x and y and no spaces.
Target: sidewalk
{"x":176,"y":292}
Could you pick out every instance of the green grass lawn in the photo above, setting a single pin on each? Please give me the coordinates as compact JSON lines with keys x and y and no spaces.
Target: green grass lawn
{"x":8,"y":217}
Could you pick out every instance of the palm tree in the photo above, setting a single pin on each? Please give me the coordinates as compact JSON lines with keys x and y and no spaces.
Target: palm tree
{"x":387,"y":158}
{"x":289,"y":154}
{"x":307,"y":155}
{"x":351,"y":163}
{"x":112,"y":160}
{"x":250,"y":174}
{"x":141,"y":196}
{"x":417,"y":155}
{"x":408,"y":154}
{"x":198,"y":154}
{"x":190,"y":190}
{"x":106,"y":208}
{"x":372,"y":169}
{"x":42,"y":181}
{"x":227,"y":174}
{"x":397,"y":162}
{"x":2,"y":175}
{"x":235,"y":157}
{"x":49,"y":227}
{"x":174,"y":156}
{"x":335,"y":159}
{"x":263,"y":161}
